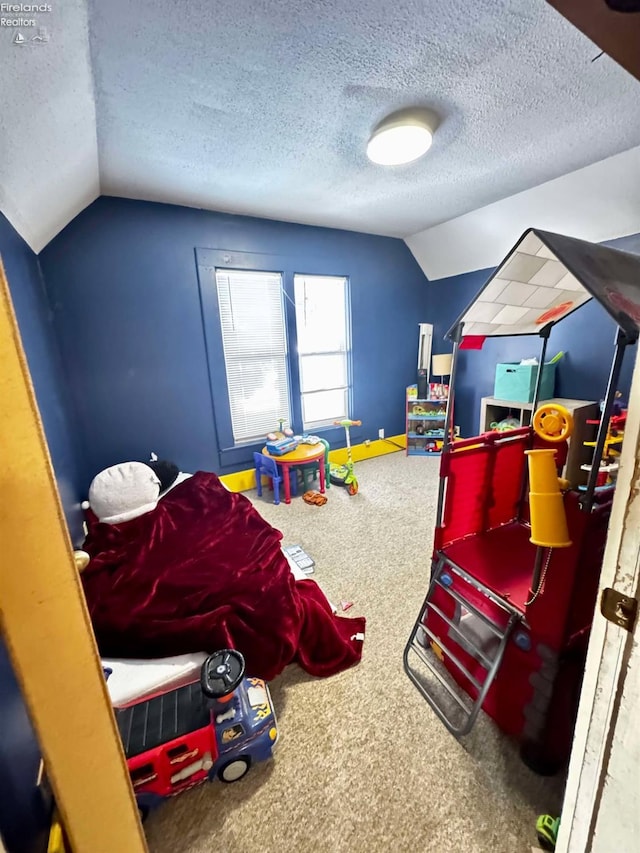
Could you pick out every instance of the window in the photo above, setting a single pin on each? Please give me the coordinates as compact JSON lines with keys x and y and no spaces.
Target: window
{"x":255,"y":350}
{"x":323,"y":348}
{"x":282,"y":350}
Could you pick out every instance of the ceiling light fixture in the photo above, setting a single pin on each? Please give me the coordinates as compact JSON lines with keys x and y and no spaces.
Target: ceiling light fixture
{"x":402,"y":137}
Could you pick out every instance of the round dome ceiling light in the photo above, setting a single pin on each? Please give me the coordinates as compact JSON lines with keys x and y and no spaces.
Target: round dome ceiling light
{"x":402,"y":137}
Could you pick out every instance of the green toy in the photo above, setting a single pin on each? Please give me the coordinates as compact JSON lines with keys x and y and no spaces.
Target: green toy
{"x":343,"y":475}
{"x":547,"y":830}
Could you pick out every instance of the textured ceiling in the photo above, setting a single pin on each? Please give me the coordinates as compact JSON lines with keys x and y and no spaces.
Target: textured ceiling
{"x":264,"y":107}
{"x":48,"y":148}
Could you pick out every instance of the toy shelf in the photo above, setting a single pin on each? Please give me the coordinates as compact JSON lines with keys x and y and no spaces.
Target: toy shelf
{"x":425,"y":422}
{"x":493,"y":410}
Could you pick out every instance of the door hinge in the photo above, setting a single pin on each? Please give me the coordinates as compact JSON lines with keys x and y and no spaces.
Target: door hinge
{"x":619,"y":608}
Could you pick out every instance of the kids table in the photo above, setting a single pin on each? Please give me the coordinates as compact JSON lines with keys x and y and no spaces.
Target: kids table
{"x":302,"y":455}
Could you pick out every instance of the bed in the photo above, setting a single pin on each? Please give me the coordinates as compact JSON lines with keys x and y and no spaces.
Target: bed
{"x":204,"y":570}
{"x":129,"y":680}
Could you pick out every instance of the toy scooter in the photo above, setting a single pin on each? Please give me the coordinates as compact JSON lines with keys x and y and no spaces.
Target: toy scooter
{"x":343,"y":475}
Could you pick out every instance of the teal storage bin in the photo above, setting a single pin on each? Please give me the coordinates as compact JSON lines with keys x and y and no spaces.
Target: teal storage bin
{"x":517,"y":382}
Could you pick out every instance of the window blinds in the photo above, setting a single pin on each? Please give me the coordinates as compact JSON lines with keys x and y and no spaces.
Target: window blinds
{"x":255,"y":350}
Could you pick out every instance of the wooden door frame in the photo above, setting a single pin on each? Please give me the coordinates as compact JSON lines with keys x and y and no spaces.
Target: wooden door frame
{"x":609,"y":650}
{"x":46,"y":626}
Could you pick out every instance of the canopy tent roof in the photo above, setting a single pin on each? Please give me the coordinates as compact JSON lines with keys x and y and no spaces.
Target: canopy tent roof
{"x":546,"y":277}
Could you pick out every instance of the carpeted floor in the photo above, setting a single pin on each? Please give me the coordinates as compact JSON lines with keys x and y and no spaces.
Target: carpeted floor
{"x":362,"y":763}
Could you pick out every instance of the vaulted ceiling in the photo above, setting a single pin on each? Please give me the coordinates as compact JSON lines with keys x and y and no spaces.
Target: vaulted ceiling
{"x":264,"y":107}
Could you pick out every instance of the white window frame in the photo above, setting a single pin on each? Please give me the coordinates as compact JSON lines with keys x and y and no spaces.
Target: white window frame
{"x":344,"y":351}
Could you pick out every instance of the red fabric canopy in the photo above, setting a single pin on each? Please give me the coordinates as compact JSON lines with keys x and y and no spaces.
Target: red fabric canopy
{"x":204,"y":571}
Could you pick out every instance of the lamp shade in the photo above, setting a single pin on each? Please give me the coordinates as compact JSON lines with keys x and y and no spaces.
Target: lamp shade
{"x":441,"y":364}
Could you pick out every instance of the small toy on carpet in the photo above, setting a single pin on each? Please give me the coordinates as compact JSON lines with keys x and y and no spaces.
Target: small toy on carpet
{"x":314,"y":498}
{"x":547,"y":831}
{"x":302,"y":560}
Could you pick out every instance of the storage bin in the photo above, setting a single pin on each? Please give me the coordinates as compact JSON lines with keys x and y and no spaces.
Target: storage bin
{"x":517,"y":382}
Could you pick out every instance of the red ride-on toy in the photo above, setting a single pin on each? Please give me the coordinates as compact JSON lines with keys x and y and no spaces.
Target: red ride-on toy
{"x":213,"y":728}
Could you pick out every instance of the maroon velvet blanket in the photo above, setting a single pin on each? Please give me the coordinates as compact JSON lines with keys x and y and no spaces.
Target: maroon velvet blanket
{"x":205,"y":571}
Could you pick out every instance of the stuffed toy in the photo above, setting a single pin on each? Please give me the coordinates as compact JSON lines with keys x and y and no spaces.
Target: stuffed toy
{"x":314,"y":498}
{"x":166,"y":471}
{"x":123,"y":492}
{"x":130,"y":489}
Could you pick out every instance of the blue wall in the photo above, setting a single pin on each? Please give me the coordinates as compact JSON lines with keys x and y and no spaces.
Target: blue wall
{"x":38,"y":339}
{"x":586,"y":337}
{"x":123,"y":283}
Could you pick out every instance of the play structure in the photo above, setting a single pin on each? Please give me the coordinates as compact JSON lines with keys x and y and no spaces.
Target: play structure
{"x":215,"y":728}
{"x":518,"y":550}
{"x":344,"y":475}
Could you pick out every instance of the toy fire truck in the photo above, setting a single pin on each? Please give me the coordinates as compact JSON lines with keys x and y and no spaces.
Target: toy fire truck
{"x":214,"y":728}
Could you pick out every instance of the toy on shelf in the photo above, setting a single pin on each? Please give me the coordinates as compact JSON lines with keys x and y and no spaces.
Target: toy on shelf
{"x":344,"y":475}
{"x":505,"y":424}
{"x":607,"y":470}
{"x":215,"y":728}
{"x":438,"y":391}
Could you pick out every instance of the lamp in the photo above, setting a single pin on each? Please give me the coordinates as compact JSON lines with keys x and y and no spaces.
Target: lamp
{"x":441,"y":366}
{"x":402,"y":137}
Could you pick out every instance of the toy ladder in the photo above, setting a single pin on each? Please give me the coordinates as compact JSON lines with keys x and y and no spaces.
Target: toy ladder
{"x":441,"y":580}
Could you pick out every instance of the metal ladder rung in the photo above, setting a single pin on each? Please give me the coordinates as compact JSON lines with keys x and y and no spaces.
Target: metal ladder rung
{"x":425,"y":660}
{"x":422,"y":653}
{"x":483,"y":659}
{"x":453,"y":657}
{"x":471,"y":608}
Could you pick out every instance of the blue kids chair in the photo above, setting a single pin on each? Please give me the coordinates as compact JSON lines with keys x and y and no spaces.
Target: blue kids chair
{"x":268,"y":467}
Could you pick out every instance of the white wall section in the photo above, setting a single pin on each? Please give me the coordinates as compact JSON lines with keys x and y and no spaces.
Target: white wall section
{"x":599,"y":202}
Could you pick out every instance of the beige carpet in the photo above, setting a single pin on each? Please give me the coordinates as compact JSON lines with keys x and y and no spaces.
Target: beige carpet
{"x":362,"y":763}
